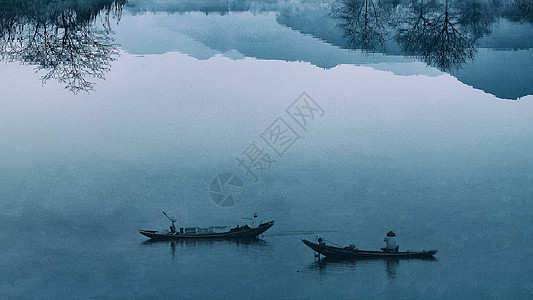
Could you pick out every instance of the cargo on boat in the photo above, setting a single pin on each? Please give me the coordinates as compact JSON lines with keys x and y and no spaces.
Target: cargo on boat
{"x":213,"y":232}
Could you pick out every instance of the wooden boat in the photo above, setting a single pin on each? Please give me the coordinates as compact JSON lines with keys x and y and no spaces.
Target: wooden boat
{"x":353,"y":253}
{"x":214,"y":232}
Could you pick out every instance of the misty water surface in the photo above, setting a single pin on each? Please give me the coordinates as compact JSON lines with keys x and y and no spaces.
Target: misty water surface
{"x":136,"y":106}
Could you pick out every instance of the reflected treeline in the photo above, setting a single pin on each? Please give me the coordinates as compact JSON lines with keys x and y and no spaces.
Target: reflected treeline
{"x":526,"y":6}
{"x":216,"y":7}
{"x":69,"y":40}
{"x":443,"y":33}
{"x":526,"y":9}
{"x":362,"y":22}
{"x":437,"y":35}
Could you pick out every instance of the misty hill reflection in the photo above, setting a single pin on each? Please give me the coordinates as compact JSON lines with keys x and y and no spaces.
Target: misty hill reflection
{"x":443,"y":33}
{"x":61,"y":38}
{"x":72,"y":42}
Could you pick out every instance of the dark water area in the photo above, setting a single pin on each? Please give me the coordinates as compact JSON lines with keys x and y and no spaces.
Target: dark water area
{"x":81,"y":242}
{"x":114,"y":111}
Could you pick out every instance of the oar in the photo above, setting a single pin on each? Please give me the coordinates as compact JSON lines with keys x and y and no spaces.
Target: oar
{"x":167,"y":216}
{"x":333,"y":243}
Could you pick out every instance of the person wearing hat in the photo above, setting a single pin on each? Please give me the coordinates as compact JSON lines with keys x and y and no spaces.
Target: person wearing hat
{"x":390,"y":240}
{"x":254,"y":221}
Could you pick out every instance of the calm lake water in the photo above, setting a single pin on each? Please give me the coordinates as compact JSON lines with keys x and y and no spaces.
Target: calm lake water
{"x":361,"y":117}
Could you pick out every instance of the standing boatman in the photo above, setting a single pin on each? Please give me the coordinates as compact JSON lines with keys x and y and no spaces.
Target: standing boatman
{"x":173,"y":229}
{"x":254,"y":222}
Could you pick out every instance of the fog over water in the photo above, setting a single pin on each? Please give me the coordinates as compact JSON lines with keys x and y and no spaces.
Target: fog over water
{"x":401,"y":146}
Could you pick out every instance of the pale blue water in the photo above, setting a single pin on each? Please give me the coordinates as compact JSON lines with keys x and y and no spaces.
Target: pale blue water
{"x":440,"y":156}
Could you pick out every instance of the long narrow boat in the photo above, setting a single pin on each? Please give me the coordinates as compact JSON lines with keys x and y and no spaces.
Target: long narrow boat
{"x":214,"y":232}
{"x":351,"y":253}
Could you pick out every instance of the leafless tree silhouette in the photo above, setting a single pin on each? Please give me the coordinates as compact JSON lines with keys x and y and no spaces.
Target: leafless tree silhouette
{"x":442,"y":33}
{"x":436,"y":37}
{"x":526,"y":6}
{"x":63,"y":40}
{"x":526,"y":9}
{"x":475,"y":17}
{"x":362,"y":23}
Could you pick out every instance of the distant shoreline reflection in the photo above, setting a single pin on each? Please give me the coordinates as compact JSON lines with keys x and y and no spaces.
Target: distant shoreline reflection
{"x":64,"y":39}
{"x":71,"y":41}
{"x":443,"y":34}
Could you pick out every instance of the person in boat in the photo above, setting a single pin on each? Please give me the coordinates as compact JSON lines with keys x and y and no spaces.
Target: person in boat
{"x":254,"y":222}
{"x":173,"y":228}
{"x":321,"y":242}
{"x":390,"y":241}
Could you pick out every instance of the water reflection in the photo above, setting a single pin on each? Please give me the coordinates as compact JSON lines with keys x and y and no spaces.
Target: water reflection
{"x":526,"y":9}
{"x":208,"y":243}
{"x":437,"y":38}
{"x":443,"y":34}
{"x":71,"y":41}
{"x":362,"y":22}
{"x":62,"y":38}
{"x":208,"y":7}
{"x":391,"y":265}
